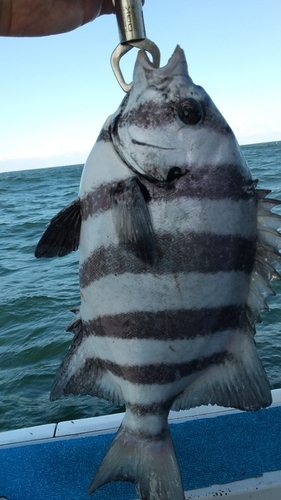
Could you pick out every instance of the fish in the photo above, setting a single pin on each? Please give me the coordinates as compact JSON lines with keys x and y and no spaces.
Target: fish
{"x":178,"y":249}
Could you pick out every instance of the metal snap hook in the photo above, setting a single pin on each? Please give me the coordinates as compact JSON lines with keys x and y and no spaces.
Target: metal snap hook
{"x":132,"y":34}
{"x":121,"y":50}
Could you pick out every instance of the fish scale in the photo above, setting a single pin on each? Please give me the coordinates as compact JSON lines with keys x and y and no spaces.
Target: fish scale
{"x":177,"y":252}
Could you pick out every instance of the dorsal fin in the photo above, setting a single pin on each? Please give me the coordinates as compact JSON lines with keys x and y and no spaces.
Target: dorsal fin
{"x":267,"y":256}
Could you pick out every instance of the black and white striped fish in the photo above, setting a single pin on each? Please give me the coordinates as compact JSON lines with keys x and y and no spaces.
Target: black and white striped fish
{"x":177,"y":252}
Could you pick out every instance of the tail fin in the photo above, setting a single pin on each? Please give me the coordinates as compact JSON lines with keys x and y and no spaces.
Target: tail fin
{"x":150,"y":463}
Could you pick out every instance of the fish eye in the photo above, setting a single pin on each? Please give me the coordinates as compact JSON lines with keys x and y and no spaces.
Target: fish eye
{"x":190,"y":111}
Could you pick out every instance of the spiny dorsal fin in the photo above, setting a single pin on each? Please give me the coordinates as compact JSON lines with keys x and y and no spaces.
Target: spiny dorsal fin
{"x":267,"y":256}
{"x":63,"y":233}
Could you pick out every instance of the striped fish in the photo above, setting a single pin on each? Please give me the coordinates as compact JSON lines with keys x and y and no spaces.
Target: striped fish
{"x":177,"y":251}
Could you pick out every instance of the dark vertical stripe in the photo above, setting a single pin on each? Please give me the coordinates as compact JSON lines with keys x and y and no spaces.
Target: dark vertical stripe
{"x":168,"y":325}
{"x":149,"y":115}
{"x":161,"y":373}
{"x":212,"y":182}
{"x":188,"y":252}
{"x":96,"y":201}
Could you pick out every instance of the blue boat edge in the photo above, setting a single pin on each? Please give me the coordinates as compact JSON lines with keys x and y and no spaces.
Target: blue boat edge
{"x":258,"y":484}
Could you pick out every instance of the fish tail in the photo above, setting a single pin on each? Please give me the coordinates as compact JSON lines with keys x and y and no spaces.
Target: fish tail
{"x":149,"y":462}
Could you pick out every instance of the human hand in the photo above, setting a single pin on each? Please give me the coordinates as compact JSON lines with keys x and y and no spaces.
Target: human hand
{"x":48,"y":17}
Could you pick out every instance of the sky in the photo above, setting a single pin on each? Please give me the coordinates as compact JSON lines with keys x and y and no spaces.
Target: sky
{"x":57,"y":91}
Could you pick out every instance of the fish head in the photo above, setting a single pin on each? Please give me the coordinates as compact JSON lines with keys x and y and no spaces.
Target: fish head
{"x":167,"y":125}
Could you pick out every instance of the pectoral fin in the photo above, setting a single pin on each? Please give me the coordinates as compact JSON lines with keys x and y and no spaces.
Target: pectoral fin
{"x":132,"y":219}
{"x":62,"y":235}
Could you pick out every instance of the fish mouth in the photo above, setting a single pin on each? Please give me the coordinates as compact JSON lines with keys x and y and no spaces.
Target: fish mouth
{"x":139,"y":143}
{"x":176,"y":65}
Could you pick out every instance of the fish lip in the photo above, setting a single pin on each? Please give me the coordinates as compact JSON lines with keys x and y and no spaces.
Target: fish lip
{"x":139,"y":143}
{"x":177,"y":57}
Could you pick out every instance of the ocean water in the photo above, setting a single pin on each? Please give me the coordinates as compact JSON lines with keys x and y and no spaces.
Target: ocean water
{"x":36,"y":295}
